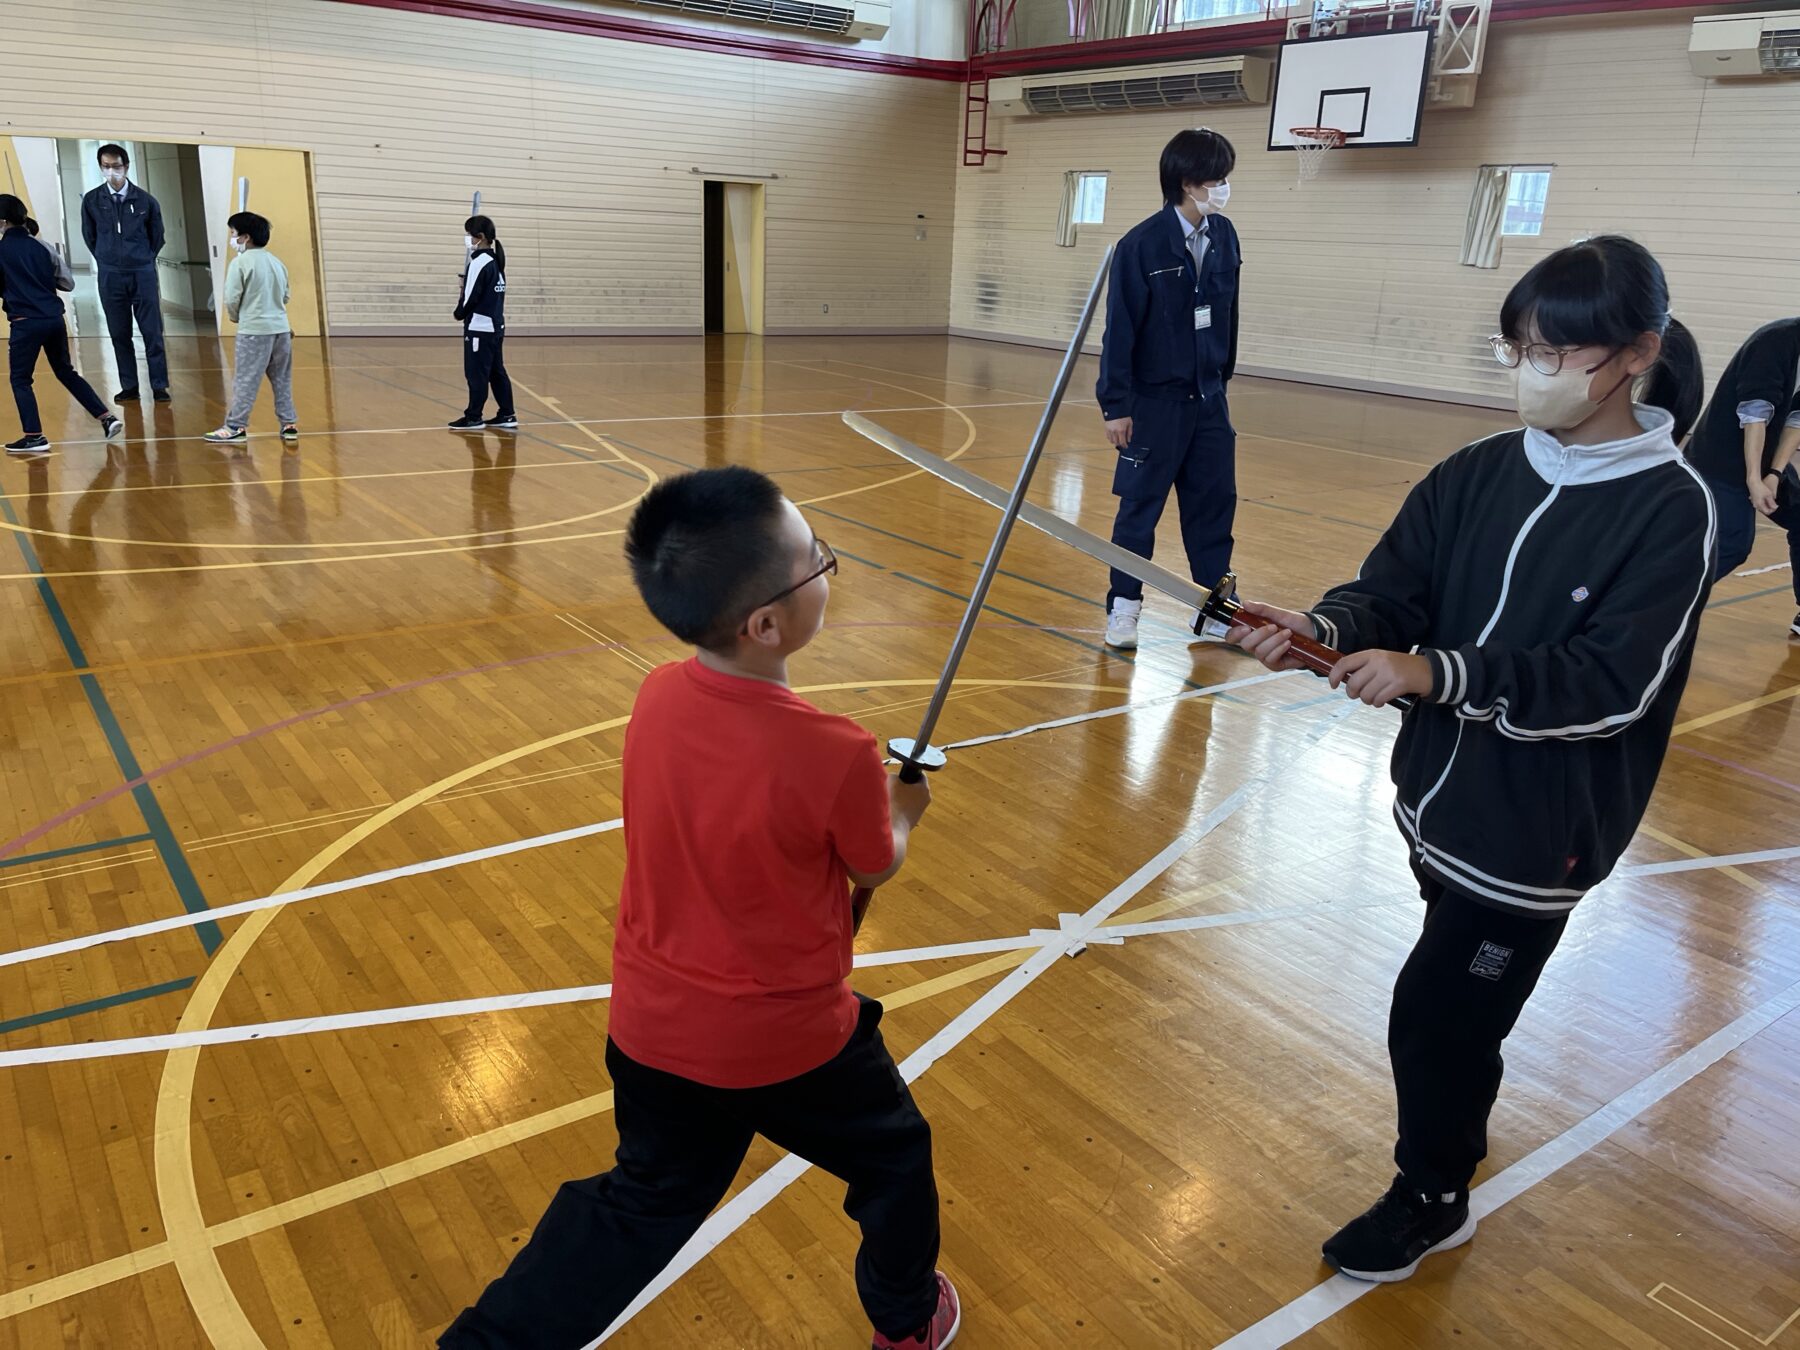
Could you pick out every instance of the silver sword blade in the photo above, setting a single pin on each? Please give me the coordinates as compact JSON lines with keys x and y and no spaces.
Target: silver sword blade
{"x":1101,"y":550}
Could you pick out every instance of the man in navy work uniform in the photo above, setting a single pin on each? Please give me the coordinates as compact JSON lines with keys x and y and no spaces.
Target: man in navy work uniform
{"x":123,"y":227}
{"x":1170,"y":348}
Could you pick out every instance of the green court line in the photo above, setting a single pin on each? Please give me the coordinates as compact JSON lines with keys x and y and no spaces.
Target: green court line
{"x":187,"y":885}
{"x":95,"y":1005}
{"x":74,"y":849}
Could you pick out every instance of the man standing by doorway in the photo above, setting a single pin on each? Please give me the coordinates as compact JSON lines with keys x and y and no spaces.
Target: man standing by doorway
{"x":123,"y":227}
{"x":1170,"y":349}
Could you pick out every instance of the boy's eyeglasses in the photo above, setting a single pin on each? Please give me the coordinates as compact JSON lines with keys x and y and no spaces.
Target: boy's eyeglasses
{"x":828,"y":564}
{"x":1544,"y":358}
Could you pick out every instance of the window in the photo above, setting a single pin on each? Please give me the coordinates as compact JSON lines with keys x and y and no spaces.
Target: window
{"x":1526,"y":190}
{"x":1198,"y":11}
{"x":1083,"y":203}
{"x":1509,"y":200}
{"x":1090,"y":199}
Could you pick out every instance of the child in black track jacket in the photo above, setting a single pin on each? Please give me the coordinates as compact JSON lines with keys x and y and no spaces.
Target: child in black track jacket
{"x":1538,"y":596}
{"x":482,"y":313}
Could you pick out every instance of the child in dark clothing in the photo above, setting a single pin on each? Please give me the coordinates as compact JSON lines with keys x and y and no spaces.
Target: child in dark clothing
{"x":1538,"y":596}
{"x":29,"y":284}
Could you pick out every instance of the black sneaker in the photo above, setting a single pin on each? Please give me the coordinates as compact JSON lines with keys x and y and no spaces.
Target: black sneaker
{"x":1794,"y":627}
{"x":126,"y":395}
{"x":504,"y":422}
{"x":1402,"y":1228}
{"x":468,"y":424}
{"x":110,"y":426}
{"x":28,"y":447}
{"x":161,"y":395}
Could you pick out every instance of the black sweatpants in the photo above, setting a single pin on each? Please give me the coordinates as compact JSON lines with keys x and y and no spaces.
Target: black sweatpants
{"x":28,"y":337}
{"x":484,"y":365}
{"x":680,"y":1144}
{"x":1456,"y":1000}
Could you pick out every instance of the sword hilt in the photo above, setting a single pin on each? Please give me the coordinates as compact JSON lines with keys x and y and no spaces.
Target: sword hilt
{"x":1222,"y":604}
{"x":914,"y":765}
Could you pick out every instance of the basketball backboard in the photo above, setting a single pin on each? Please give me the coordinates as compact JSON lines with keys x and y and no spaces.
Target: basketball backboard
{"x":1370,"y":86}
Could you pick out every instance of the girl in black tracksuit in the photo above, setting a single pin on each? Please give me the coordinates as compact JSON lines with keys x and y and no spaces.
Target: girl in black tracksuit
{"x":482,"y":312}
{"x":1746,"y":440}
{"x":1538,"y":597}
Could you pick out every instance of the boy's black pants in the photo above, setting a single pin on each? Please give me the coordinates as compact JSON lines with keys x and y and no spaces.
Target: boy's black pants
{"x":1456,"y":1000}
{"x":484,"y":364}
{"x":680,"y":1144}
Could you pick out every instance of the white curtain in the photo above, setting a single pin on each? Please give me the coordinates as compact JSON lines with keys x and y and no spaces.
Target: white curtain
{"x":1487,"y":213}
{"x":1120,"y":18}
{"x":1065,"y":213}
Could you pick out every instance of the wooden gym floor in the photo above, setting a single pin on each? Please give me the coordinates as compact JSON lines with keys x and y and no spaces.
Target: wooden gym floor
{"x":228,"y":676}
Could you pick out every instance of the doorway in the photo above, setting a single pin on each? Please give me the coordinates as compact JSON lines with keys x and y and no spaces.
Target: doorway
{"x":196,"y":188}
{"x":732,"y":228}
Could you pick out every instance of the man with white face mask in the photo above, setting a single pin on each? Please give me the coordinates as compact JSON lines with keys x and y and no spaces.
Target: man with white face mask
{"x":123,"y":227}
{"x":1170,"y":348}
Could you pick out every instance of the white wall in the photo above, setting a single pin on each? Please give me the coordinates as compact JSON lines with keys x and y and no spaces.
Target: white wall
{"x":581,"y":148}
{"x":1354,"y":278}
{"x":936,"y":30}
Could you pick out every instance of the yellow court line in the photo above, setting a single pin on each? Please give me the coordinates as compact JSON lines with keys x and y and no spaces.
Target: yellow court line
{"x":209,"y":1292}
{"x":1688,"y":850}
{"x":616,"y":645}
{"x":649,"y":480}
{"x":475,"y":1146}
{"x":306,"y":562}
{"x":968,"y":441}
{"x":278,"y":483}
{"x":1736,"y":710}
{"x":1751,"y":1335}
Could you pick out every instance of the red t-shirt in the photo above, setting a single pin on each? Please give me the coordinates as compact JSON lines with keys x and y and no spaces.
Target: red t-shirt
{"x":744,"y":805}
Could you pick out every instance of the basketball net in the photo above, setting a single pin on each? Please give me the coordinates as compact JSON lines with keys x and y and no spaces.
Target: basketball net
{"x":1311,"y":145}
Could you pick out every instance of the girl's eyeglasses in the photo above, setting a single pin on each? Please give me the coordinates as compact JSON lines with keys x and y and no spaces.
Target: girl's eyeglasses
{"x":1544,"y":358}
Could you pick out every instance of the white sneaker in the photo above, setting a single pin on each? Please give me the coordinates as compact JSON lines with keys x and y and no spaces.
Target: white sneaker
{"x":1210,"y":631}
{"x":1122,"y":624}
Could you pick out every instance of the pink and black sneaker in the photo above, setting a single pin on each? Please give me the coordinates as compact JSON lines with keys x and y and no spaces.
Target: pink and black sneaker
{"x":936,"y":1333}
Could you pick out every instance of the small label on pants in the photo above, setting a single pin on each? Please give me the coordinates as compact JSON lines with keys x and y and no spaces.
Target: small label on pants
{"x":1490,"y":961}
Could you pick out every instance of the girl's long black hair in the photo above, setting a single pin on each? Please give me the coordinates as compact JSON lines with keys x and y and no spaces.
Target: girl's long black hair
{"x":1606,"y":292}
{"x":484,"y":226}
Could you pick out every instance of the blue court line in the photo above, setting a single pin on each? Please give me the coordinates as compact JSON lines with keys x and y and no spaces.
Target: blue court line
{"x":876,"y":529}
{"x":1750,"y":595}
{"x":73,"y":849}
{"x":95,"y":1005}
{"x":1129,"y":657}
{"x":187,"y":885}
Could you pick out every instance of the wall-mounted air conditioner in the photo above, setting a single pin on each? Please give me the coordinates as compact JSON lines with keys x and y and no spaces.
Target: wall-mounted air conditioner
{"x":865,"y":19}
{"x":1728,"y":45}
{"x":1228,"y":79}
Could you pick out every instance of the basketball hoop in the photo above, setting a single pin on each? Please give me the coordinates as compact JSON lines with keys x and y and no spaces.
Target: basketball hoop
{"x":1312,"y":144}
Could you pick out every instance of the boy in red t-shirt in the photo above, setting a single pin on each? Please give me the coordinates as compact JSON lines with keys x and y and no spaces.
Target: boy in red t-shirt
{"x":748,"y":814}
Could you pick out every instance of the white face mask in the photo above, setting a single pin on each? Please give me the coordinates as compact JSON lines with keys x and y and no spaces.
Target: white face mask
{"x":1212,"y":200}
{"x":1560,"y":401}
{"x":115,"y":177}
{"x":468,"y":243}
{"x":239,"y":244}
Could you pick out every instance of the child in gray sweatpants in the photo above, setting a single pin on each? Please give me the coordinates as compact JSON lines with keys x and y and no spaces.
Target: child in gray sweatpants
{"x":256,"y":298}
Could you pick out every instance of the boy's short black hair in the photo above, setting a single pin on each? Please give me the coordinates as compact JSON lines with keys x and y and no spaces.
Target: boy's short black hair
{"x":705,"y":550}
{"x":252,"y":226}
{"x":105,"y":150}
{"x":12,"y":210}
{"x":1199,"y":156}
